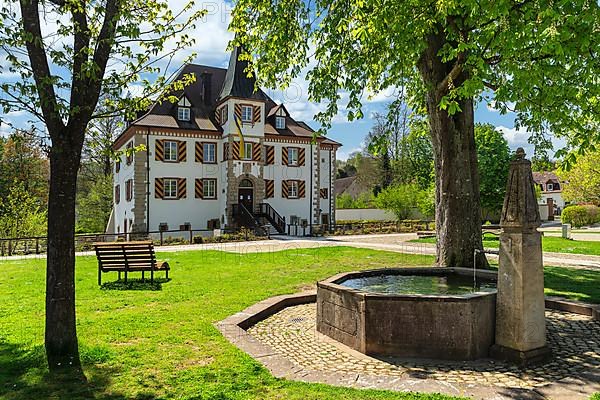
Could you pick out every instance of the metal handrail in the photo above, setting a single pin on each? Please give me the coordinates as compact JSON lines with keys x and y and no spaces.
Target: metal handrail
{"x":274,"y":217}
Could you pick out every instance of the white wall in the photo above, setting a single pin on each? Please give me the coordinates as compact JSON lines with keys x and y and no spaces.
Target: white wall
{"x":199,"y":211}
{"x":325,"y":162}
{"x":190,"y":209}
{"x":374,"y":214}
{"x":555,"y":196}
{"x":544,"y":211}
{"x":279,"y":172}
{"x":123,"y":210}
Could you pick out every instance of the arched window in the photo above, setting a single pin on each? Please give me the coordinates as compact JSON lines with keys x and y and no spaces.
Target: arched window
{"x":246,"y":183}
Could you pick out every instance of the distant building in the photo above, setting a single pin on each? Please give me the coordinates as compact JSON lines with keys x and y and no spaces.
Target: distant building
{"x":551,"y":188}
{"x":352,"y":186}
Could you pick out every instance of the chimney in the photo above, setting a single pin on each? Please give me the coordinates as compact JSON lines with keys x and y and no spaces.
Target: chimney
{"x":206,"y":82}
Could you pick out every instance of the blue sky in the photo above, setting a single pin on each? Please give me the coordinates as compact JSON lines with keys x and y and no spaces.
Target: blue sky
{"x":212,"y":37}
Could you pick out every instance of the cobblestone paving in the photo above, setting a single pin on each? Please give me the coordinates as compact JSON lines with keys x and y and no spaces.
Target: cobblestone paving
{"x":574,"y":339}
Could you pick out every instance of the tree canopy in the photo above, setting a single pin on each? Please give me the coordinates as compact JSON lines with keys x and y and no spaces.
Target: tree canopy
{"x":581,"y":183}
{"x":494,"y":156}
{"x":539,"y":59}
{"x":65,"y":56}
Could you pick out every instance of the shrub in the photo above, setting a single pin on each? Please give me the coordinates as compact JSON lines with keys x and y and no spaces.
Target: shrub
{"x":198,"y":239}
{"x":580,"y":215}
{"x":345,"y":201}
{"x":400,"y":199}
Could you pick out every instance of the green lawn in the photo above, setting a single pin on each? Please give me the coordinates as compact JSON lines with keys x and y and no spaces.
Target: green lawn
{"x":145,"y":344}
{"x":549,"y":243}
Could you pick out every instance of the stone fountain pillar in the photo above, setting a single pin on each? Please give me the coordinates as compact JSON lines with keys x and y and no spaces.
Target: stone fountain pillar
{"x":520,"y":319}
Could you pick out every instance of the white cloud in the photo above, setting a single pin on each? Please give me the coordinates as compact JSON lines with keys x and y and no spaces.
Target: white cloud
{"x":492,"y":106}
{"x":517,"y":138}
{"x":345,"y":154}
{"x":388,"y":95}
{"x":4,"y":130}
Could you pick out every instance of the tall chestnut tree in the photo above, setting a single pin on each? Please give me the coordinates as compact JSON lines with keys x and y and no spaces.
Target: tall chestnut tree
{"x":60,"y":57}
{"x":538,"y":58}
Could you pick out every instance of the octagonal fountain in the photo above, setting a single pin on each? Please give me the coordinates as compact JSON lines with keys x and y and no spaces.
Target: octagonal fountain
{"x":442,"y":313}
{"x":451,"y":313}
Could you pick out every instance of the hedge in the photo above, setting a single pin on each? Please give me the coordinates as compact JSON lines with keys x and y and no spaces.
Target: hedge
{"x":579,"y":216}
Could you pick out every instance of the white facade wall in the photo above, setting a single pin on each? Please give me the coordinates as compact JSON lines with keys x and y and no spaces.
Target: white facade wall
{"x":190,"y":209}
{"x":364,"y":214}
{"x":278,"y":172}
{"x":124,"y":210}
{"x":327,"y":205}
{"x":555,"y":196}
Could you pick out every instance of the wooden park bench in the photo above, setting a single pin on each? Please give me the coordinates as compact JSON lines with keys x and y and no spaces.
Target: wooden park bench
{"x":128,"y":257}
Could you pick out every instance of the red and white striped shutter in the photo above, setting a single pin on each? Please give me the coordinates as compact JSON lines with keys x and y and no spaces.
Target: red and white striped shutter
{"x":284,"y":156}
{"x":301,"y":189}
{"x":159,"y":150}
{"x":181,"y":188}
{"x":284,"y":189}
{"x":159,"y":188}
{"x":182,"y":151}
{"x":199,"y":188}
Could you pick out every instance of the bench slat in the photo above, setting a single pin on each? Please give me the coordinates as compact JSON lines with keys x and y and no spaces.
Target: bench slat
{"x":128,"y":257}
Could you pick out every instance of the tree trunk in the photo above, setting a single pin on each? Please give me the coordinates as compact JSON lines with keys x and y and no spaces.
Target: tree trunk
{"x":458,"y":209}
{"x":61,"y":334}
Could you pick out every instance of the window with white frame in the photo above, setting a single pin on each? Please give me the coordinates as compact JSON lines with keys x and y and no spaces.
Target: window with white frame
{"x":280,"y":122}
{"x":209,"y":187}
{"x":210,"y":150}
{"x":550,"y":187}
{"x":247,"y":113}
{"x":170,"y":150}
{"x":247,"y":151}
{"x":292,"y":155}
{"x":183,"y":113}
{"x":293,"y":189}
{"x":170,"y":188}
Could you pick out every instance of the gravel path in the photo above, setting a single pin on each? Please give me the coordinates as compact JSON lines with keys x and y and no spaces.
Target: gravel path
{"x":389,"y":242}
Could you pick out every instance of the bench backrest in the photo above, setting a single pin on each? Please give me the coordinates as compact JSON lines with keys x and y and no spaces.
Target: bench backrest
{"x":125,"y":255}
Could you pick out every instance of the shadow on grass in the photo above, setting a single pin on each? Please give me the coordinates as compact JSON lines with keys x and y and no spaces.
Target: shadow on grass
{"x":577,"y":284}
{"x":135,"y":284}
{"x":24,"y":376}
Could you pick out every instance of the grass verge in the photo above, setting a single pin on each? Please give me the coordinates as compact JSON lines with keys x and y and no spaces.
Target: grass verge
{"x":549,"y":243}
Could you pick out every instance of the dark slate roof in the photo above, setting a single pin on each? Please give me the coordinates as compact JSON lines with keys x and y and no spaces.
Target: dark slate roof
{"x":206,"y":92}
{"x":237,"y":82}
{"x":202,"y":94}
{"x":545,"y":177}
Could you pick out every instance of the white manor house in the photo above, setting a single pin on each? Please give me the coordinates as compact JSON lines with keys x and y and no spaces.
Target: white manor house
{"x":199,"y":173}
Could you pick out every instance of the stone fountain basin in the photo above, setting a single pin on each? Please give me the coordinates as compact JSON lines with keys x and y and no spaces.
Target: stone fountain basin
{"x":439,"y":326}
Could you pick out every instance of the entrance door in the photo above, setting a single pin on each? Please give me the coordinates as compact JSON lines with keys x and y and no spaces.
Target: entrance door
{"x":246,"y":194}
{"x":246,"y":197}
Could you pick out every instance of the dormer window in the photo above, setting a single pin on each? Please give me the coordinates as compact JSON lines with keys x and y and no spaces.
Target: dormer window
{"x":184,"y":109}
{"x":280,"y":122}
{"x":183,"y":113}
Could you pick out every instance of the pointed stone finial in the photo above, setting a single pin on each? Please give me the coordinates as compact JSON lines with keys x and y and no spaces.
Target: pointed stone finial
{"x":520,"y":210}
